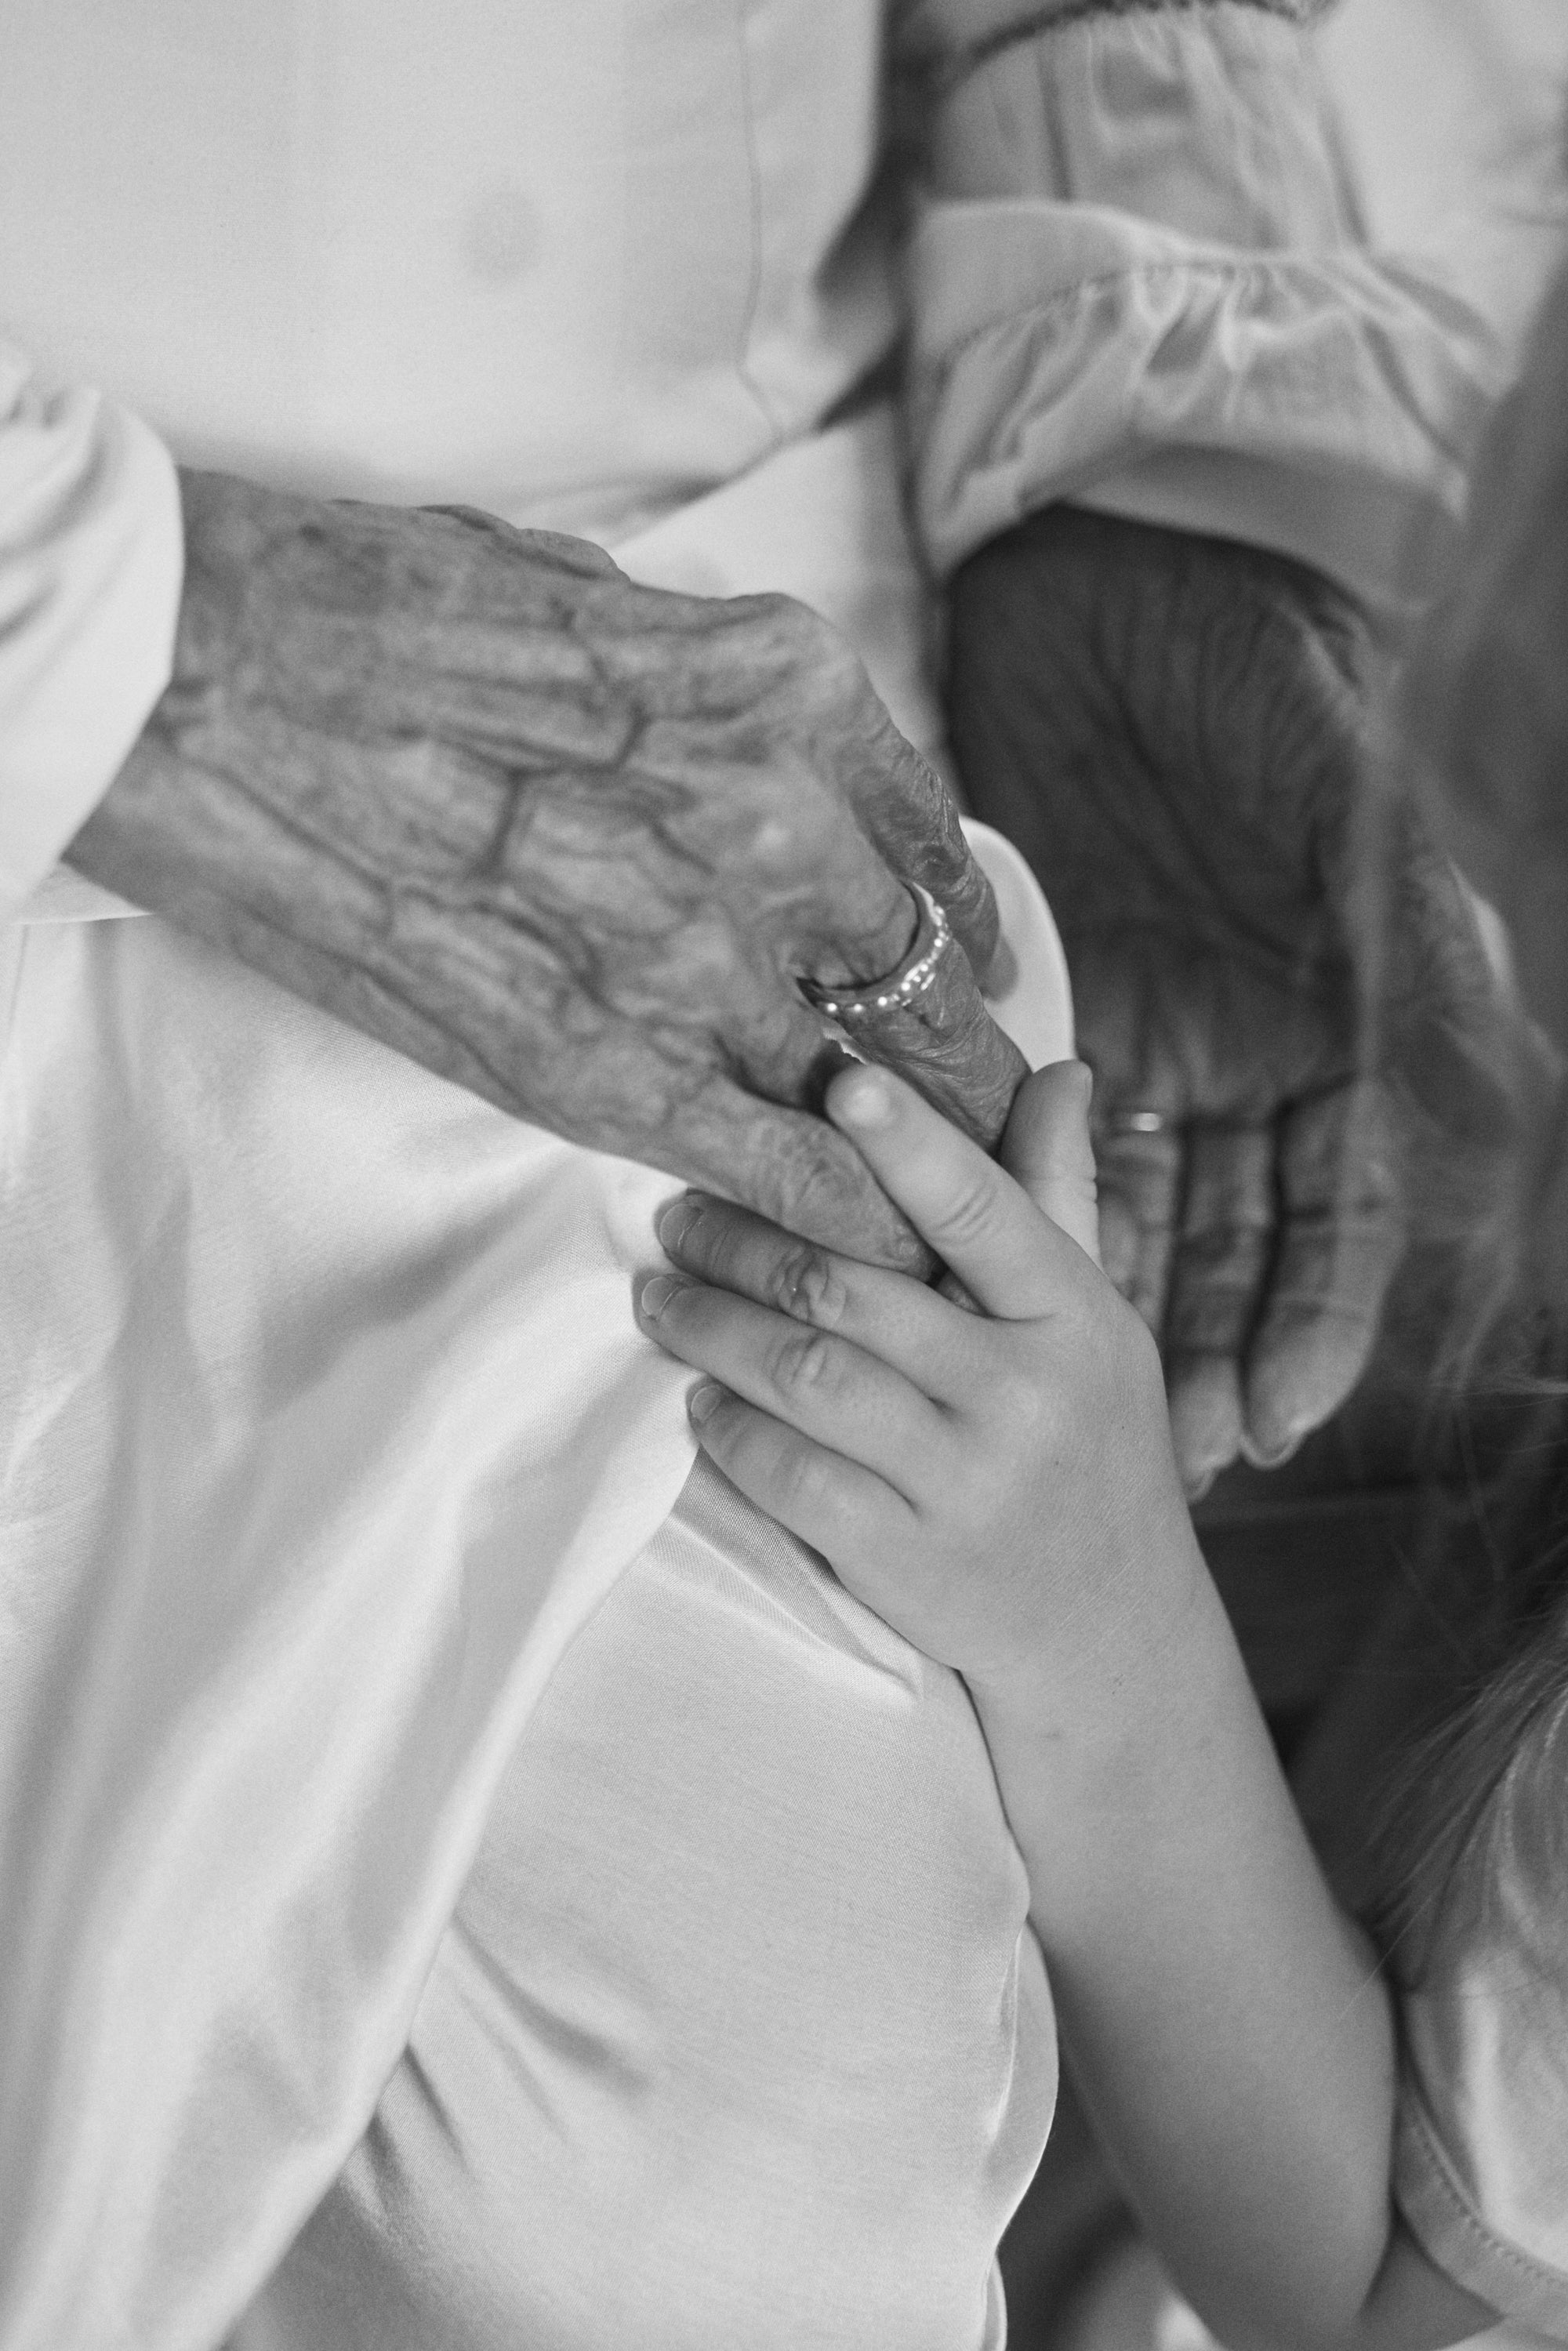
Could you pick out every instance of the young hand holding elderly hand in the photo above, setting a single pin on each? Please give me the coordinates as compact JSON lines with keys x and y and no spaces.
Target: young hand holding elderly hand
{"x":974,"y":1479}
{"x":1002,"y":1486}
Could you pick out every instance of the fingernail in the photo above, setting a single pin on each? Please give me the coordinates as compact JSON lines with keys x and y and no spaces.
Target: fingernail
{"x":676,"y":1221}
{"x":701,"y":1401}
{"x":656,"y":1295}
{"x":866,"y":1101}
{"x":1275,"y":1455}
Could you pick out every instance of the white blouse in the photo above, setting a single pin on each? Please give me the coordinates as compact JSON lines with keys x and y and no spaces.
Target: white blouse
{"x":739,"y":2033}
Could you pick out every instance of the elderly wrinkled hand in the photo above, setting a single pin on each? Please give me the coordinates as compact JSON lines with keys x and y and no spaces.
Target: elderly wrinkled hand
{"x":1301,"y":1054}
{"x":570,"y":842}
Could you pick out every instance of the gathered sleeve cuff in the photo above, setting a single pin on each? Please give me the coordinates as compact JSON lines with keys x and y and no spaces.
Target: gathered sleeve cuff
{"x":1138,"y":281}
{"x":91,"y":554}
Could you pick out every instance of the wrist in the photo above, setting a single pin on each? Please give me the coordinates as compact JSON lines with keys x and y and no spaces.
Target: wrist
{"x":1097,"y":1701}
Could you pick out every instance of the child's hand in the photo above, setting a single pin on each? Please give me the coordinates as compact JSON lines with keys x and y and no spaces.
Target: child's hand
{"x":1000,"y":1487}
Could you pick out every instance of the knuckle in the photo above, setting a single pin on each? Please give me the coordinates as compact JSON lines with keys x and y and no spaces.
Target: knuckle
{"x":805,"y":1285}
{"x":784,"y":614}
{"x":801,"y":1364}
{"x":966,"y":1219}
{"x":815,"y":648}
{"x":811,"y":1179}
{"x":809,"y":1484}
{"x":707,"y":1247}
{"x":790,"y":629}
{"x":1023,"y":1407}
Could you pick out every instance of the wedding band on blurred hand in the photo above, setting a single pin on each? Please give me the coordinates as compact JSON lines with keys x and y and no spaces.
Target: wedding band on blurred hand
{"x":1137,"y":1122}
{"x":875,"y":999}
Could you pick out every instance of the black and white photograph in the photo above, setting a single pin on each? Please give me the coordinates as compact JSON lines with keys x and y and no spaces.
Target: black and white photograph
{"x":783,"y":1174}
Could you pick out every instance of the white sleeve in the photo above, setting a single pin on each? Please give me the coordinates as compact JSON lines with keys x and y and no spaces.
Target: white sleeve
{"x":91,"y":568}
{"x":1139,"y":282}
{"x":1480,"y":2168}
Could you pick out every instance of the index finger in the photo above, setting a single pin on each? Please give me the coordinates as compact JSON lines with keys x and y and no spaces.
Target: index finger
{"x":1011,"y":1260}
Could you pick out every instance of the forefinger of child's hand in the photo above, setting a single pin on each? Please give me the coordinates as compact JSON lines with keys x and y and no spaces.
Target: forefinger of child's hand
{"x":1012,"y":1260}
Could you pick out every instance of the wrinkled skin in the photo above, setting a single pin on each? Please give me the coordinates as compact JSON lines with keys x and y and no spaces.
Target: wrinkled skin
{"x":565,"y":840}
{"x":1267,"y":947}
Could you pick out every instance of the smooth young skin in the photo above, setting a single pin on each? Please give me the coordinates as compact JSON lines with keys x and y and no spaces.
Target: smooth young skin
{"x":1002,"y":1487}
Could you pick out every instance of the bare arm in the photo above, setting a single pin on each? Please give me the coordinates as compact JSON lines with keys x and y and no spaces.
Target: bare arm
{"x":1002,"y":1489}
{"x":1224,"y":2019}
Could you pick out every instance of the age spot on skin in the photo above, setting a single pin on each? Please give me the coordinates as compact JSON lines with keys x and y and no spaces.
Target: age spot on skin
{"x":774,"y":842}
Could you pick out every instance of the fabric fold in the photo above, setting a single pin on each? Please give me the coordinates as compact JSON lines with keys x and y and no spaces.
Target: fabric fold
{"x":1315,"y":404}
{"x":91,"y":556}
{"x":1140,"y":281}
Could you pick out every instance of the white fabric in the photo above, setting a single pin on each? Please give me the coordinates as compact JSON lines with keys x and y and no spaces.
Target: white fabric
{"x":328,"y":1429}
{"x":324,"y":1427}
{"x":576,"y":262}
{"x":89,"y":587}
{"x":1140,"y":282}
{"x":740,"y":2033}
{"x":1468,"y":166}
{"x":1481,"y":2170}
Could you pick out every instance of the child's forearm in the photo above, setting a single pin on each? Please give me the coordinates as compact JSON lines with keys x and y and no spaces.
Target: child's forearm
{"x":1000,"y":1488}
{"x":1224,"y":2018}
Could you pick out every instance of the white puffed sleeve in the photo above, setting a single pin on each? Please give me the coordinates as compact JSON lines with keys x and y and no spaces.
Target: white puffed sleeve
{"x":90,"y":567}
{"x":1481,"y":2152}
{"x":1139,"y":282}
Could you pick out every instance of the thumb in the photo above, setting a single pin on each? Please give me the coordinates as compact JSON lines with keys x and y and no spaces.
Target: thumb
{"x":1046,"y":1149}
